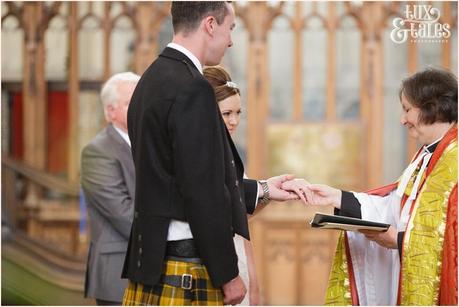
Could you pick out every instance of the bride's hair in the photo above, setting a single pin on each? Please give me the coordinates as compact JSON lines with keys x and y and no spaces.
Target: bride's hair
{"x":221,"y":82}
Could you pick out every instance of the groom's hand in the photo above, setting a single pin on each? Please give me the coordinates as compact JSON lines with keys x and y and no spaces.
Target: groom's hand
{"x":234,"y":291}
{"x":275,"y":188}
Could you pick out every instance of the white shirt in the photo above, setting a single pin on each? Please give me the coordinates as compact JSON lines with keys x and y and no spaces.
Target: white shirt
{"x":179,"y":230}
{"x":123,"y":134}
{"x":188,"y":54}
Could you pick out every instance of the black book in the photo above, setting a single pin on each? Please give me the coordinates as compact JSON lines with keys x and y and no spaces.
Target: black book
{"x":327,"y":221}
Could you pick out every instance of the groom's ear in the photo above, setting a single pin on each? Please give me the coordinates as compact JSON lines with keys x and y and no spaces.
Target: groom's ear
{"x":208,"y":24}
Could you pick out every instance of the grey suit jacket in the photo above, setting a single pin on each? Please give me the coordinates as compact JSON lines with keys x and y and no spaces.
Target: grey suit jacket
{"x":108,"y":182}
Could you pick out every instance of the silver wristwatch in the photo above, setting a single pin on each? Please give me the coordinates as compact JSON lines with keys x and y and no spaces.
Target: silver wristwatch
{"x":264,"y":185}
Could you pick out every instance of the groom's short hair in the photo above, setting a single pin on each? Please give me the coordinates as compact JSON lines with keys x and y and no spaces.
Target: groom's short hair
{"x":187,"y":15}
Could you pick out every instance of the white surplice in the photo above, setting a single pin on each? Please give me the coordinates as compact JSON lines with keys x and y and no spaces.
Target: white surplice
{"x":376,"y":268}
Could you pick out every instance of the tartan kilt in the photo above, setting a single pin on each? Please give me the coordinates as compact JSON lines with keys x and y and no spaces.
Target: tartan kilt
{"x":202,"y":292}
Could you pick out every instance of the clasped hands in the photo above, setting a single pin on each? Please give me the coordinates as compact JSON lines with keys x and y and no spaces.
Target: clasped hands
{"x":287,"y":187}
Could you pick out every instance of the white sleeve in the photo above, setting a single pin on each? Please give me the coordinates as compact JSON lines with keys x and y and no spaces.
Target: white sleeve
{"x":376,"y":268}
{"x":383,"y":209}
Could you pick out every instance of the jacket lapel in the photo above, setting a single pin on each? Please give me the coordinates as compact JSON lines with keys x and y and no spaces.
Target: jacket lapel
{"x":125,"y":156}
{"x":117,"y":138}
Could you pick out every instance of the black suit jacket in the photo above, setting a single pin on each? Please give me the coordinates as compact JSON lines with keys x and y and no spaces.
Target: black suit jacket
{"x":187,"y":168}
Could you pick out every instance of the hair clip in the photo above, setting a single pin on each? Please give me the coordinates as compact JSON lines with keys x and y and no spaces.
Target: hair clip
{"x":231,"y":84}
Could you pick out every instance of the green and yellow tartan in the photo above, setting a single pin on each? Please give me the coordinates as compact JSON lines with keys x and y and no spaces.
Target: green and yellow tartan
{"x":202,"y":292}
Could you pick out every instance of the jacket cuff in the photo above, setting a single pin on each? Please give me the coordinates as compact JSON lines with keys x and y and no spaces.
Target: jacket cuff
{"x":250,"y":195}
{"x":350,"y":206}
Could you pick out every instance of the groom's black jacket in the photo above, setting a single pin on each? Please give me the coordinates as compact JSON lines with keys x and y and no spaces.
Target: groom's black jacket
{"x":187,"y":168}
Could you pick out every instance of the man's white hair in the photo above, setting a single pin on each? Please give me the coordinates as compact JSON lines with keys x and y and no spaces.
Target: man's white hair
{"x":109,"y":92}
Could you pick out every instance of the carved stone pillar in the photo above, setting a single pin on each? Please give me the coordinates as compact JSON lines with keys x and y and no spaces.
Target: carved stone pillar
{"x":330,"y":109}
{"x":446,"y":47}
{"x":149,"y":17}
{"x":258,"y":18}
{"x":34,"y":110}
{"x":298,"y":25}
{"x":107,"y":26}
{"x":74,"y":89}
{"x":34,"y":86}
{"x":372,"y":16}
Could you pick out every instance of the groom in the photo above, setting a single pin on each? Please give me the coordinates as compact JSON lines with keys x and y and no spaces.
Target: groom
{"x":190,"y":194}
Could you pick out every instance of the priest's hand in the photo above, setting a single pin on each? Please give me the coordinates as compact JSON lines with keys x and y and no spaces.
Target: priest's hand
{"x":314,"y":194}
{"x":386,"y":239}
{"x":300,"y":187}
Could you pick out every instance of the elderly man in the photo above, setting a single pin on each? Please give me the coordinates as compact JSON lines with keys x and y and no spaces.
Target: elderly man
{"x":108,"y":182}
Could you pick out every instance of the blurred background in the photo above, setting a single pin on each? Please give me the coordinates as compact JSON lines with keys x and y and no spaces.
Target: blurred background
{"x":319,"y":85}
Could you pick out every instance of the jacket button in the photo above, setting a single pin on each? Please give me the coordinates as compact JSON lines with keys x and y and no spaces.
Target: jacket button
{"x":138,"y":264}
{"x":232,"y":162}
{"x":139,"y":238}
{"x":240,"y":199}
{"x":237,"y":183}
{"x":136,"y":214}
{"x":140,"y":250}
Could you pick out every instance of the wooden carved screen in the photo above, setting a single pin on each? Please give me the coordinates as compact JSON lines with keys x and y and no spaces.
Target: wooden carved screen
{"x":319,"y":80}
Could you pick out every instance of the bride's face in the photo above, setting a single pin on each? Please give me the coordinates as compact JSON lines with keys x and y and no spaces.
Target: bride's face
{"x":230,"y":109}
